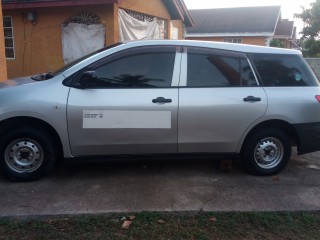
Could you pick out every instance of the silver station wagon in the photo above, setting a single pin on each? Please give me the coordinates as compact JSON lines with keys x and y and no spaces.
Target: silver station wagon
{"x":163,"y":97}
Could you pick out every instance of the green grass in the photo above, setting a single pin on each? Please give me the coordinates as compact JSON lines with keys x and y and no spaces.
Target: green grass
{"x":261,"y":225}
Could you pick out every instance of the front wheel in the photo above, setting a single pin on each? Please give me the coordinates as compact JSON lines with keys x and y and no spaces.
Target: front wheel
{"x":266,"y":152}
{"x":26,"y":154}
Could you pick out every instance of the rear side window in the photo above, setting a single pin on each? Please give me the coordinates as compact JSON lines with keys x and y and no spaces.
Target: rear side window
{"x":283,"y":70}
{"x":211,"y":68}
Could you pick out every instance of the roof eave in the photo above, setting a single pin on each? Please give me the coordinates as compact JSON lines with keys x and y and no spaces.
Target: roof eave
{"x":278,"y":19}
{"x":240,"y":34}
{"x":188,"y":15}
{"x":16,"y":4}
{"x":179,"y":11}
{"x":282,"y":37}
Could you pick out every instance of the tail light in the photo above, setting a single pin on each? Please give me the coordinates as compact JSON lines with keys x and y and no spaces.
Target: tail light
{"x":318,"y":98}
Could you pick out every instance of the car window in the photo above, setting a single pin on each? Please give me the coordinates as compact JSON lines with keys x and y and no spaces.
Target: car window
{"x":247,"y":76}
{"x":216,"y":69}
{"x":148,"y":67}
{"x":283,"y":70}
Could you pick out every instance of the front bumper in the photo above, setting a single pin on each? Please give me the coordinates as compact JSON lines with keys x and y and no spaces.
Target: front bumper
{"x":308,"y":137}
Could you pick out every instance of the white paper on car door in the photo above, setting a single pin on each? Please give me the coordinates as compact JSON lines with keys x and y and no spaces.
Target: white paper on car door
{"x":95,"y":119}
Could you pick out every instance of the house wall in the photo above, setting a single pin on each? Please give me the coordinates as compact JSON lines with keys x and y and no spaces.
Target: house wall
{"x":179,"y":24}
{"x":260,"y":41}
{"x":3,"y":65}
{"x":38,"y":48}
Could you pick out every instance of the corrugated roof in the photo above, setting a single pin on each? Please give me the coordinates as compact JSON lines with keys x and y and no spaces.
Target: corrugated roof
{"x":235,"y":20}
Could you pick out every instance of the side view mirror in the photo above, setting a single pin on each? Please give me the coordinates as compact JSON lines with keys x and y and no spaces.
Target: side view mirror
{"x":87,"y":79}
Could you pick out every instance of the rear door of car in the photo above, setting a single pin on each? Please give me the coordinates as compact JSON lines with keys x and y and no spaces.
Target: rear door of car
{"x":131,"y":106}
{"x":219,"y":98}
{"x":293,"y":92}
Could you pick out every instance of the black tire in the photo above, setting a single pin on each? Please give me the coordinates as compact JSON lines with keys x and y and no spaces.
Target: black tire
{"x":27,"y":154}
{"x":266,"y":152}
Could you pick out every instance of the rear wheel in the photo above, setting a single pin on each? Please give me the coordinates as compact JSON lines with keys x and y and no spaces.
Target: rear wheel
{"x":266,"y":152}
{"x":26,"y":154}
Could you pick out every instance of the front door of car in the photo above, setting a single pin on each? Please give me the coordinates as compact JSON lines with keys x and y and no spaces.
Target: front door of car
{"x":126,"y":103}
{"x":219,"y":99}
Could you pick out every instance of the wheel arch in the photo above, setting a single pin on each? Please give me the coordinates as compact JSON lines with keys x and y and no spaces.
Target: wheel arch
{"x":15,"y":122}
{"x":277,"y":124}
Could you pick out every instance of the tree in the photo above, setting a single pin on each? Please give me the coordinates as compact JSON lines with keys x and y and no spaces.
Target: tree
{"x":311,"y":17}
{"x":311,"y":48}
{"x":276,"y":43}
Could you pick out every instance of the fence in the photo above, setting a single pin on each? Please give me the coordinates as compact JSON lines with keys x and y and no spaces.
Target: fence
{"x":315,"y":64}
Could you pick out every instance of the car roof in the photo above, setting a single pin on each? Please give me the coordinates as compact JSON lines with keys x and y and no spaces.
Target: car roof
{"x":215,"y":45}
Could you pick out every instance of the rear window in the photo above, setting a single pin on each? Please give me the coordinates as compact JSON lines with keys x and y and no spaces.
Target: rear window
{"x":283,"y":70}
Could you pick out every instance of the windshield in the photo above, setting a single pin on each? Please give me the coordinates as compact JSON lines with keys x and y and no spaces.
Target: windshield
{"x":49,"y":75}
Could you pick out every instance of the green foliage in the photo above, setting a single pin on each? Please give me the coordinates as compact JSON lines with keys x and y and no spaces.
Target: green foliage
{"x":311,"y":48}
{"x":311,"y":17}
{"x":276,"y":43}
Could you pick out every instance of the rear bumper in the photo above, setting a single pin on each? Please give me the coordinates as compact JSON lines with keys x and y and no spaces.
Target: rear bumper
{"x":308,"y":136}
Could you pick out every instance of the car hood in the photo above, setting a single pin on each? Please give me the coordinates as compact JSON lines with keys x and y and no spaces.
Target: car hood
{"x":16,"y":82}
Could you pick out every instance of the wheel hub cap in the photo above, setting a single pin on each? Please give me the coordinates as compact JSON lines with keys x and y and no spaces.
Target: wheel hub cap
{"x":24,"y":155}
{"x":268,"y":153}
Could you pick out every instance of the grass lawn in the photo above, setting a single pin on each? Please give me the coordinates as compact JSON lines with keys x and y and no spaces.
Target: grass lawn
{"x":159,"y":225}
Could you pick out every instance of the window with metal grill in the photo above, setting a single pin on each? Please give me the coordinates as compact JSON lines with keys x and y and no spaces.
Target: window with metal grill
{"x":8,"y":37}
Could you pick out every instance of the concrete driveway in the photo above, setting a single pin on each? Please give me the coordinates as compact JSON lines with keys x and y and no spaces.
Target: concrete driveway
{"x":179,"y":185}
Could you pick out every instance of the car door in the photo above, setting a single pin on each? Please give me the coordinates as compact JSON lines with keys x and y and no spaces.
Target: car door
{"x":219,"y":98}
{"x":126,"y":103}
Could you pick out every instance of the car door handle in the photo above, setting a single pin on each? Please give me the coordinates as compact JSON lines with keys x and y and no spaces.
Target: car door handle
{"x":161,"y":100}
{"x":252,"y":99}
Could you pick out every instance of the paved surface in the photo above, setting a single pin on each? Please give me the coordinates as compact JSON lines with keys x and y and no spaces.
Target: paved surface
{"x":180,"y":185}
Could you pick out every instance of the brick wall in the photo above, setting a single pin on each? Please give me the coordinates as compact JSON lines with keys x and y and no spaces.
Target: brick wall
{"x":3,"y":65}
{"x":315,"y":64}
{"x":38,"y":48}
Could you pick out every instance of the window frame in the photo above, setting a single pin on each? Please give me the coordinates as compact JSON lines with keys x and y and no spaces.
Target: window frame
{"x":233,"y":40}
{"x":226,"y":53}
{"x":13,"y":42}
